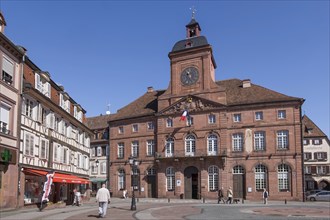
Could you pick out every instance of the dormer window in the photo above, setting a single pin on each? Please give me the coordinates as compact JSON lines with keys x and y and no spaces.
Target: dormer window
{"x":77,"y":113}
{"x":64,"y":101}
{"x":7,"y":70}
{"x":42,"y":83}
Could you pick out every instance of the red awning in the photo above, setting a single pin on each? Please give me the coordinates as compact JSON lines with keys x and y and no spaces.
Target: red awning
{"x":59,"y":177}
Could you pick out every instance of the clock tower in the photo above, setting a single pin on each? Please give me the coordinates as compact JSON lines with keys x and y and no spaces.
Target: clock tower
{"x":192,"y":69}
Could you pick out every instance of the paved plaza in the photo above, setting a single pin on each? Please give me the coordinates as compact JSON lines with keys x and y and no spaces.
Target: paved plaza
{"x":152,"y":209}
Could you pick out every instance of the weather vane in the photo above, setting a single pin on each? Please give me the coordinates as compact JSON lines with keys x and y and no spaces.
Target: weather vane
{"x":193,"y":11}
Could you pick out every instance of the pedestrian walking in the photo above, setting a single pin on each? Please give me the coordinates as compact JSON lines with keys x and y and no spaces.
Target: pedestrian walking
{"x":221,"y":196}
{"x":265,"y":196}
{"x":229,"y":196}
{"x":103,"y":198}
{"x":76,"y":198}
{"x":125,"y":193}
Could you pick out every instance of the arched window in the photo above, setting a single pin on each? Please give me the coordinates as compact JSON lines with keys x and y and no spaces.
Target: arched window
{"x":238,"y":169}
{"x":190,"y":145}
{"x":283,"y":172}
{"x":261,"y":177}
{"x":170,"y":179}
{"x":121,"y":179}
{"x":212,"y":144}
{"x":135,"y":175}
{"x":213,"y":172}
{"x":169,"y":147}
{"x":151,"y":171}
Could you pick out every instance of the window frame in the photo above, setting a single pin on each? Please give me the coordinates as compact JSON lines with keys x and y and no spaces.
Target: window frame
{"x":212,"y":119}
{"x":283,"y":177}
{"x":281,"y":114}
{"x":190,"y":145}
{"x":259,"y":141}
{"x":135,"y":127}
{"x":169,"y":151}
{"x":169,"y":122}
{"x":135,"y":148}
{"x":260,"y":177}
{"x":150,"y":148}
{"x":237,"y":142}
{"x":237,"y":117}
{"x":5,"y":119}
{"x":282,"y":140}
{"x":213,"y":178}
{"x":120,"y":150}
{"x":212,"y":144}
{"x":170,"y":179}
{"x":259,"y":116}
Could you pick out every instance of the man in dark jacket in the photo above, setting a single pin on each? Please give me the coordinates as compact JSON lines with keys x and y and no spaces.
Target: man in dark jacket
{"x":221,"y":196}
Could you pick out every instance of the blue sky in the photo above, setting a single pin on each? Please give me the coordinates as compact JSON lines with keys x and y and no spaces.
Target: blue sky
{"x":110,"y":51}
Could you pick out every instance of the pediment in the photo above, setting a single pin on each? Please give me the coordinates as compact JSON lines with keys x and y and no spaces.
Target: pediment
{"x":191,"y":104}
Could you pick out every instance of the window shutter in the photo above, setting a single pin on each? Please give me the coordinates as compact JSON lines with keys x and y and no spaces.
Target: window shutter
{"x":49,"y":89}
{"x":313,"y":169}
{"x":324,"y":155}
{"x":4,"y":113}
{"x":47,"y":149}
{"x":315,"y":156}
{"x":37,"y":81}
{"x":8,"y":66}
{"x":31,"y":145}
{"x":27,"y":140}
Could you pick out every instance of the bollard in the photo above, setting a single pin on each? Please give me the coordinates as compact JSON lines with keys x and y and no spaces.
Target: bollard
{"x":203,"y":200}
{"x":168,"y":200}
{"x":285,"y":201}
{"x":242,"y":201}
{"x":137,"y":200}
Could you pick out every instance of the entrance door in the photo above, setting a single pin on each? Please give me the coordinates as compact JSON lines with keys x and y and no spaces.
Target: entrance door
{"x":238,"y":184}
{"x":151,"y":182}
{"x":191,"y":185}
{"x":151,"y":186}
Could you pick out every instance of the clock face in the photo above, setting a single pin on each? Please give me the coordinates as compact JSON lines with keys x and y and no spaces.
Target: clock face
{"x":189,"y":76}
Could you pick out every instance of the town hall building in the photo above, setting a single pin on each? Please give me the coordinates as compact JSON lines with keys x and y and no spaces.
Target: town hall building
{"x":201,"y":134}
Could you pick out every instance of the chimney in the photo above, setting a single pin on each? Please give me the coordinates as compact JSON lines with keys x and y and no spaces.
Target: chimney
{"x":2,"y":23}
{"x":246,"y":83}
{"x":150,"y":89}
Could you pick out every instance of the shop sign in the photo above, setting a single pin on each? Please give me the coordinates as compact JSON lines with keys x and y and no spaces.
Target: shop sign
{"x":7,"y":155}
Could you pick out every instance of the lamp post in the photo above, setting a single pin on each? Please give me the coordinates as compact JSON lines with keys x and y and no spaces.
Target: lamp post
{"x":134,"y":165}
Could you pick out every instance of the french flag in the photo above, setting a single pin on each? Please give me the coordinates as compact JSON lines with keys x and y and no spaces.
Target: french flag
{"x":184,"y":115}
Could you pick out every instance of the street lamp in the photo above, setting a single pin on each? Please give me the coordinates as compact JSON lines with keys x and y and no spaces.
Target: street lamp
{"x":134,"y":165}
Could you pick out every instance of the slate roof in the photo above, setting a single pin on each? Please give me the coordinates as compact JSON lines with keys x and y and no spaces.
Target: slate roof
{"x":310,"y":129}
{"x":194,"y":42}
{"x":193,"y":22}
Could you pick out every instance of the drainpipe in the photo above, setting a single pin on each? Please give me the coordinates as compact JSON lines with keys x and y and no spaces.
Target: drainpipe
{"x":302,"y":156}
{"x":108,"y":161}
{"x":19,"y":121}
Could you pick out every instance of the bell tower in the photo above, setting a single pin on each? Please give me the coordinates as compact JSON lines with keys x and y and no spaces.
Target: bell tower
{"x":192,"y":68}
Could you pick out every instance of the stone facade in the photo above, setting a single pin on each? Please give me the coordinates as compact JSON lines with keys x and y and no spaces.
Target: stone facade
{"x":201,"y":134}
